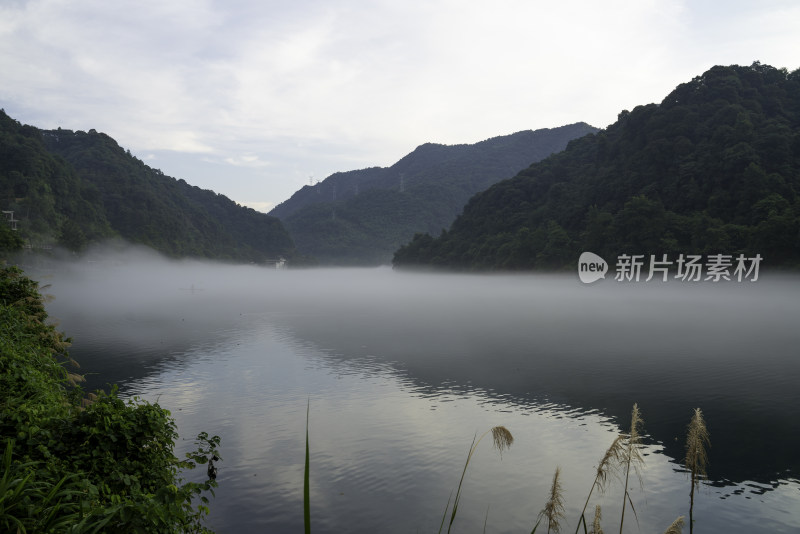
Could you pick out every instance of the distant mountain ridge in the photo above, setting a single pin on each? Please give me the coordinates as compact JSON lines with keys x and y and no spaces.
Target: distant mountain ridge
{"x":360,"y":217}
{"x":77,"y":188}
{"x":713,"y":169}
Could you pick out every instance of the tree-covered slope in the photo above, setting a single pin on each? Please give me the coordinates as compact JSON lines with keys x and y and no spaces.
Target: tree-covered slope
{"x":713,"y":169}
{"x":361,"y":217}
{"x":45,"y":193}
{"x":145,"y":206}
{"x":79,"y":187}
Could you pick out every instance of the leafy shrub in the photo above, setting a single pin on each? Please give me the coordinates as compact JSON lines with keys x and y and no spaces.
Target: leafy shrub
{"x":83,"y":463}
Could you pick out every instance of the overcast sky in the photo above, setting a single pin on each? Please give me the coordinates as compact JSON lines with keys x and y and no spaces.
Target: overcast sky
{"x":252,"y":98}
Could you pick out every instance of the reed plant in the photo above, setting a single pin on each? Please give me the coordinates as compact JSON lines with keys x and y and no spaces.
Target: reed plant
{"x":306,"y":480}
{"x":697,"y":440}
{"x":598,"y":516}
{"x":502,"y":439}
{"x":554,"y":508}
{"x":676,"y":527}
{"x":553,"y":511}
{"x":622,"y":457}
{"x":608,"y":465}
{"x":632,"y":458}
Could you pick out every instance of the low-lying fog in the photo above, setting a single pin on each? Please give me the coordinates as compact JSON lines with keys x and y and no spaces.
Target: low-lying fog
{"x":526,"y":341}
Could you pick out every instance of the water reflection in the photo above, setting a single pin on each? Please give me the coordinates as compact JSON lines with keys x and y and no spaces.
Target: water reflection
{"x":402,"y":370}
{"x":387,"y":451}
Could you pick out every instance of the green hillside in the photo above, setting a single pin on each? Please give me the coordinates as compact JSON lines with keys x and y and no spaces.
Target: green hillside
{"x":46,"y":195}
{"x":713,"y":169}
{"x":361,"y":217}
{"x":74,"y":188}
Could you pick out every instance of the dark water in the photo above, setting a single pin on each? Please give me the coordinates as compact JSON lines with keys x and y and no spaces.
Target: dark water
{"x":402,"y":370}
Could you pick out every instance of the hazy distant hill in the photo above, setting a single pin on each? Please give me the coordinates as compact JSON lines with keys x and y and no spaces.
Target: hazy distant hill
{"x":713,"y":169}
{"x":361,"y":217}
{"x":78,"y":187}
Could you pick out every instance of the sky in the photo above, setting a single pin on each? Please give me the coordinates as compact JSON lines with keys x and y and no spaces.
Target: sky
{"x":256,"y":98}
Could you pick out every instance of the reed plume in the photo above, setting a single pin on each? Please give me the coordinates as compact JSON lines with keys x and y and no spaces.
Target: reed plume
{"x":696,"y":460}
{"x":554,"y":509}
{"x":502,"y":440}
{"x":598,"y":516}
{"x":632,"y":458}
{"x":608,"y":464}
{"x":676,"y":527}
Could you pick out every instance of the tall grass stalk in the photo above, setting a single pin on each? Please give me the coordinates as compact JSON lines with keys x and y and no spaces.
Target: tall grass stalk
{"x":554,"y":509}
{"x":608,"y":464}
{"x":632,"y":458}
{"x":502,"y":439}
{"x":306,"y":474}
{"x":697,"y":440}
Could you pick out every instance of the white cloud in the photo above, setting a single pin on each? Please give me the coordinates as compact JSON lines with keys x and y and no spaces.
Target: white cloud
{"x":276,"y":91}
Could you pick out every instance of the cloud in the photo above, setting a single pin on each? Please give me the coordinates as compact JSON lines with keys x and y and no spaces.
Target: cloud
{"x":316,"y":87}
{"x":246,"y":160}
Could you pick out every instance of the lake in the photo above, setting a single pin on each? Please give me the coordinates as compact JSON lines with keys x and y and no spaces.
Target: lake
{"x":402,"y":370}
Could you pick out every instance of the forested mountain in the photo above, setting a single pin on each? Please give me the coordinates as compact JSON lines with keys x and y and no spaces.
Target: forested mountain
{"x":713,"y":169}
{"x":45,"y":194}
{"x":79,"y":187}
{"x":361,"y":217}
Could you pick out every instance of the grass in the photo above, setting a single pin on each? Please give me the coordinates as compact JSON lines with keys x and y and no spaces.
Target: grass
{"x":622,"y":457}
{"x":607,"y":466}
{"x":554,"y":509}
{"x":306,"y":480}
{"x":632,"y":458}
{"x":502,"y":439}
{"x":697,"y":440}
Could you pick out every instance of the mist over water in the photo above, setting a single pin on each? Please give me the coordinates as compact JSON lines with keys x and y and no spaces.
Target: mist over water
{"x":401,"y":369}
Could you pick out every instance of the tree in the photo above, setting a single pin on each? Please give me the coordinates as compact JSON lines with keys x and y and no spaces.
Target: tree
{"x":9,"y":239}
{"x":71,"y":236}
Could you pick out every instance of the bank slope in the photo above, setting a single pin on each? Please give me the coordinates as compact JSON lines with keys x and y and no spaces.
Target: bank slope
{"x":361,"y":217}
{"x":713,"y":169}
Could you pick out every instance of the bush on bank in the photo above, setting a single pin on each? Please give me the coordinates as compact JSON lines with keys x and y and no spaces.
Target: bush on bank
{"x":77,"y":462}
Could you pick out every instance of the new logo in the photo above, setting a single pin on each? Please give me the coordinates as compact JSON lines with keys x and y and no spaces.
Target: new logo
{"x":591,"y":267}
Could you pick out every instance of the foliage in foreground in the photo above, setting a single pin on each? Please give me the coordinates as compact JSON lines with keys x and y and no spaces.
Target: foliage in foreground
{"x":76,"y":463}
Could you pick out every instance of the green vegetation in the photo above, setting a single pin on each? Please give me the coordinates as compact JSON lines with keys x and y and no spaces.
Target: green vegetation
{"x":361,"y":217}
{"x":45,"y":193}
{"x":82,"y":463}
{"x":10,"y":240}
{"x":76,"y":188}
{"x":713,"y":169}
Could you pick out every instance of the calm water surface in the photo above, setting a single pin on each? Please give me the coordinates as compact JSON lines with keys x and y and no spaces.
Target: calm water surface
{"x":402,"y":371}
